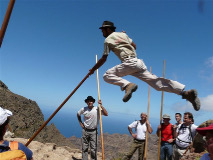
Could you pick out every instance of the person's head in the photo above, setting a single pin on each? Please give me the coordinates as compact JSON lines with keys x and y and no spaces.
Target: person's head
{"x":90,"y":101}
{"x":107,"y":28}
{"x":209,"y":142}
{"x":188,"y":118}
{"x":207,"y":133}
{"x":166,"y":118}
{"x":178,"y":117}
{"x":143,"y":116}
{"x":4,"y":120}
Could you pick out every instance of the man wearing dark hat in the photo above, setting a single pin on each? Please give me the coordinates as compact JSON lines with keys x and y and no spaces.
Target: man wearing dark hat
{"x":167,"y":139}
{"x":207,"y":132}
{"x":89,"y":126}
{"x":125,"y":50}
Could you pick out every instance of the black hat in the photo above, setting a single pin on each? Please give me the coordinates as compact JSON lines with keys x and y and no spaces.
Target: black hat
{"x":107,"y":24}
{"x":89,"y":98}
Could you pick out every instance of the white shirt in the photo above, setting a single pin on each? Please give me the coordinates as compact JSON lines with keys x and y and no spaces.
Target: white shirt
{"x":91,"y":117}
{"x":184,"y":135}
{"x":205,"y":157}
{"x":120,"y":44}
{"x":140,"y":131}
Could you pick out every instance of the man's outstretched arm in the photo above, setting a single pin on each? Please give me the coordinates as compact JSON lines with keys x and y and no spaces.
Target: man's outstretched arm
{"x":99,"y":64}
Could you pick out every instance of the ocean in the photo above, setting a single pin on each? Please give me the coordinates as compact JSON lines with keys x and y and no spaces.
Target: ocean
{"x":68,"y":125}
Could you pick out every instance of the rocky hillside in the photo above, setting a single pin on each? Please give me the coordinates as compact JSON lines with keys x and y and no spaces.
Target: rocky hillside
{"x":27,"y":118}
{"x":116,"y":145}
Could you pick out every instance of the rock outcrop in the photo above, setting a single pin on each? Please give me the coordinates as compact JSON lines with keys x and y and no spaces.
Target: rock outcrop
{"x":27,"y":118}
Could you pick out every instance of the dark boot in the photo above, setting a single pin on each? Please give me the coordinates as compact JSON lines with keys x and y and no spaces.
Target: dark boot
{"x":131,"y":87}
{"x":191,"y":96}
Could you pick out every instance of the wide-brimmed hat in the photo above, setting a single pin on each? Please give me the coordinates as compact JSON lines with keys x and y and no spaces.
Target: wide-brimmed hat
{"x":166,"y":116}
{"x":204,"y":130}
{"x":89,"y":98}
{"x":107,"y":24}
{"x":4,"y":113}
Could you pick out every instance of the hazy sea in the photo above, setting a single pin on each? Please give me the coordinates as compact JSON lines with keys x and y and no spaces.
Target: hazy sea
{"x":68,"y":125}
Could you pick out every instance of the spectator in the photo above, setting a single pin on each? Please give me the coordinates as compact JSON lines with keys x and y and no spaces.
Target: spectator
{"x":4,"y":145}
{"x":166,"y":129}
{"x":178,"y":117}
{"x":89,"y":126}
{"x":139,"y":137}
{"x":184,"y":136}
{"x":207,"y":132}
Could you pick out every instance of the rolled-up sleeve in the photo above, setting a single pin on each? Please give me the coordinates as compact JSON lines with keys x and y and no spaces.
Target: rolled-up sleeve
{"x":81,"y":111}
{"x":133,"y":124}
{"x":106,"y":49}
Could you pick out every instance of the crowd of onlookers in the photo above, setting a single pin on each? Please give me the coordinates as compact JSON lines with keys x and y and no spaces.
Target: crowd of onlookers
{"x":176,"y":139}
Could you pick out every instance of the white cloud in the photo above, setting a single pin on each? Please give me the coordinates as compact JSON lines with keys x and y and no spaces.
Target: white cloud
{"x":182,"y":107}
{"x":209,"y":62}
{"x":207,"y":71}
{"x":207,"y":103}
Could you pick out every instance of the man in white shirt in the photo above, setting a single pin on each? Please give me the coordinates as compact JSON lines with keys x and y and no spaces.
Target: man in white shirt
{"x":178,"y":118}
{"x":125,"y":50}
{"x":89,"y":126}
{"x":139,"y":137}
{"x":184,"y":136}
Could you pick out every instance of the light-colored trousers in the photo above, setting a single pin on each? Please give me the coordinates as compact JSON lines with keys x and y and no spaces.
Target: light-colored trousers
{"x":89,"y":139}
{"x":178,"y":153}
{"x":137,"y":68}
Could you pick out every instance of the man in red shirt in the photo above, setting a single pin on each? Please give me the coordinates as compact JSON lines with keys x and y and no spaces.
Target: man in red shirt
{"x":166,"y":129}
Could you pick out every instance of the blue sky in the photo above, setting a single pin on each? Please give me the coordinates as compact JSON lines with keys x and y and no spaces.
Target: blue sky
{"x":50,"y":45}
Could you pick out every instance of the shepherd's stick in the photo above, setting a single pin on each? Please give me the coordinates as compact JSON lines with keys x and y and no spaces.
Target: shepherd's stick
{"x":6,"y":21}
{"x":161,"y":111}
{"x":57,"y":110}
{"x":145,"y":154}
{"x":102,"y":138}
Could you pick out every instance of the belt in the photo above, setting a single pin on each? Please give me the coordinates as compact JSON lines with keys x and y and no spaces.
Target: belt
{"x":181,"y":148}
{"x":140,"y":140}
{"x":90,"y":130}
{"x":129,"y":57}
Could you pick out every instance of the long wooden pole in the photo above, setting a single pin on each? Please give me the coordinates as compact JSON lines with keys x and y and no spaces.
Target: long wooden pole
{"x":187,"y":149}
{"x":57,"y":110}
{"x":10,"y":129}
{"x":161,"y":111}
{"x":6,"y":20}
{"x":102,"y":137}
{"x":146,"y":143}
